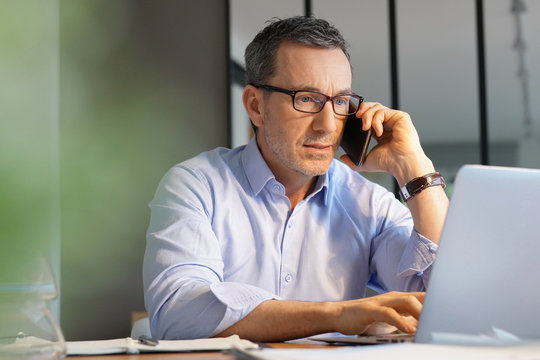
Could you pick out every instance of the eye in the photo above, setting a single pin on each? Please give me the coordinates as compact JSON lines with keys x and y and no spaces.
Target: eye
{"x":341,"y":101}
{"x":310,"y":98}
{"x":306,"y":99}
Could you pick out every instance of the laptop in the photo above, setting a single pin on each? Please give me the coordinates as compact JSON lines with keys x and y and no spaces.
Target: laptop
{"x":485,"y":278}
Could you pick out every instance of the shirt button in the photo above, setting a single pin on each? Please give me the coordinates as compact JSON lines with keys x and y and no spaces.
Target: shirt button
{"x":420,"y":273}
{"x":276,"y":188}
{"x":288,"y":278}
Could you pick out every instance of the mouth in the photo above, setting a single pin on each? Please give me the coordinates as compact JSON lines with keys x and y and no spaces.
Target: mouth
{"x":319,"y":147}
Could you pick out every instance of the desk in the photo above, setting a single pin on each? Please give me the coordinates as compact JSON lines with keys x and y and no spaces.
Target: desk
{"x":527,"y":351}
{"x":190,"y":356}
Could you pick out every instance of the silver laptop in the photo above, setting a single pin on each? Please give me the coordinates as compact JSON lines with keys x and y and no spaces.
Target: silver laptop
{"x":485,"y":280}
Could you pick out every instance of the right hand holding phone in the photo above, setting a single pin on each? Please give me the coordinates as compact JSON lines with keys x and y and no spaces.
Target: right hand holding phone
{"x":398,"y":150}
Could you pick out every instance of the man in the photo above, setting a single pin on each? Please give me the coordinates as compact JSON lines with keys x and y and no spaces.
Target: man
{"x":277,"y":240}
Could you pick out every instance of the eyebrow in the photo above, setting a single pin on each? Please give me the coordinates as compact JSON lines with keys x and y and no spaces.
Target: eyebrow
{"x":310,"y":88}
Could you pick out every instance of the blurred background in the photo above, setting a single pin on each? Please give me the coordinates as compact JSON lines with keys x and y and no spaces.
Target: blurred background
{"x":99,"y":98}
{"x":422,"y":56}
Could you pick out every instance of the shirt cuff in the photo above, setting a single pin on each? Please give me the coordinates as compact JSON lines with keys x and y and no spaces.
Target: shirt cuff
{"x":240,"y":300}
{"x":419,"y":255}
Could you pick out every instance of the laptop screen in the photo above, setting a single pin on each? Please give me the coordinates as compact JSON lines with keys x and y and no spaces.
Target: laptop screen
{"x":486,"y":272}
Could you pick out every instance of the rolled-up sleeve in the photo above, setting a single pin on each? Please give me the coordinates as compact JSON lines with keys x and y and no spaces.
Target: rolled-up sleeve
{"x":185,"y":306}
{"x":185,"y":294}
{"x":402,"y":258}
{"x":419,"y":255}
{"x":239,"y":299}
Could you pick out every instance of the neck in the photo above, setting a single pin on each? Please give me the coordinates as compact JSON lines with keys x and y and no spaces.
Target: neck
{"x":298,"y":189}
{"x":297,"y":185}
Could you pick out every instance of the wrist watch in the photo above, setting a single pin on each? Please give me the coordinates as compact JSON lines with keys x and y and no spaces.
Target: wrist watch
{"x":420,"y":183}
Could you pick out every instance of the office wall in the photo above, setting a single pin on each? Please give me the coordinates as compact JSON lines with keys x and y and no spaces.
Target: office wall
{"x":29,"y":206}
{"x":142,"y":87}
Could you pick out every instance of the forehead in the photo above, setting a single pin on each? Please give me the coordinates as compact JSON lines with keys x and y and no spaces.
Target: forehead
{"x":312,"y":66}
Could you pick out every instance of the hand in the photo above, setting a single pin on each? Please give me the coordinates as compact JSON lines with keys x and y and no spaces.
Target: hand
{"x":279,"y":320}
{"x":378,"y":328}
{"x":395,"y":309}
{"x":398,"y":150}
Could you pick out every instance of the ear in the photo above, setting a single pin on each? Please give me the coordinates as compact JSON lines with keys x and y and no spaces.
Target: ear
{"x":253,"y":101}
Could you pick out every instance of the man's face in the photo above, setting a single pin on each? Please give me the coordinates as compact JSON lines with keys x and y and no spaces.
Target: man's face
{"x":292,"y":142}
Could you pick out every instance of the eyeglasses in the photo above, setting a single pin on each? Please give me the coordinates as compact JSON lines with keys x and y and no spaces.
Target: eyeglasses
{"x":310,"y":101}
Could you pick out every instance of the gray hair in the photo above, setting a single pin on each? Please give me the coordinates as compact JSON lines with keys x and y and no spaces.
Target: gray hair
{"x":261,"y":53}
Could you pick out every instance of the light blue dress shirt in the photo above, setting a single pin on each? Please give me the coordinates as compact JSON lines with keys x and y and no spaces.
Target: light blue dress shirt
{"x":222,"y":239}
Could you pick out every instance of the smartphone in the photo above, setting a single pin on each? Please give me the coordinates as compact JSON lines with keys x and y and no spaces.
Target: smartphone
{"x":355,"y":141}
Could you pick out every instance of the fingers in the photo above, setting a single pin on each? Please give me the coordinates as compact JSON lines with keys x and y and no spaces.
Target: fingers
{"x":404,"y":323}
{"x":398,"y":309}
{"x":374,"y":115}
{"x":401,"y":310}
{"x":397,"y":142}
{"x":406,"y":303}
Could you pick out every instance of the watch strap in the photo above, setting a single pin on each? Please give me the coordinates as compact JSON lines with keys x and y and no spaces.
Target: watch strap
{"x":420,"y":183}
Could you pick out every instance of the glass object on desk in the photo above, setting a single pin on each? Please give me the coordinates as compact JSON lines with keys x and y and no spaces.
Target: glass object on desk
{"x":27,"y":328}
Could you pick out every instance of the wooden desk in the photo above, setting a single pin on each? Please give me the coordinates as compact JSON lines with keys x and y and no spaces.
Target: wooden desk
{"x":190,"y":356}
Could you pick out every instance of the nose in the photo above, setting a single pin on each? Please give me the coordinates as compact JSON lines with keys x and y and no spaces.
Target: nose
{"x":325,"y":121}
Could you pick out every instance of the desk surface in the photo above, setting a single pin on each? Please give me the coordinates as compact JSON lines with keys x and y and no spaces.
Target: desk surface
{"x":190,"y":356}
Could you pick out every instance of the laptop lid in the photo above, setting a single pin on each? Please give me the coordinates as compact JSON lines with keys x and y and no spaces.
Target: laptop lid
{"x":488,"y":264}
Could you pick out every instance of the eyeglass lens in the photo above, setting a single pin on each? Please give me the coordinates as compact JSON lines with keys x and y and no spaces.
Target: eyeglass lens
{"x":313,"y":102}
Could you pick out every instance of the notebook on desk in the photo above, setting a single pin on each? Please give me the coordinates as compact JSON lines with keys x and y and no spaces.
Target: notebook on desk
{"x":484,"y":282}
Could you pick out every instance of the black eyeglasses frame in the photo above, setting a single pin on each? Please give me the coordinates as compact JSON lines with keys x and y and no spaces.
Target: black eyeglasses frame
{"x":292,"y":94}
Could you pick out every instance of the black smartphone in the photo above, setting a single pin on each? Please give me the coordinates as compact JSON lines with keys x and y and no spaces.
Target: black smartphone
{"x":355,"y":141}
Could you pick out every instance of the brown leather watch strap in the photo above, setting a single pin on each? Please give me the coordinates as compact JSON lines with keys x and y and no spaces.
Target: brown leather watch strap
{"x":420,"y":183}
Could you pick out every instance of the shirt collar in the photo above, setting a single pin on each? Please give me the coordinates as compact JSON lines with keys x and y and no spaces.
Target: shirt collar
{"x":257,"y":171}
{"x":322,"y":184}
{"x":259,"y":174}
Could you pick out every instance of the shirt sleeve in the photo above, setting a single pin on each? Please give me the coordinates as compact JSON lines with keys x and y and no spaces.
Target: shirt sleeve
{"x":419,"y":255}
{"x":401,"y":257}
{"x":185,"y":294}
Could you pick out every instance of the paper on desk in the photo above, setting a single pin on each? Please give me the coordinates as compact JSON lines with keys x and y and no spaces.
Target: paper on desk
{"x":130,"y":346}
{"x":402,"y":351}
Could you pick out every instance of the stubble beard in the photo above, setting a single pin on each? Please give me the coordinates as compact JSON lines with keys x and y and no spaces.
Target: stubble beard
{"x":292,"y":160}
